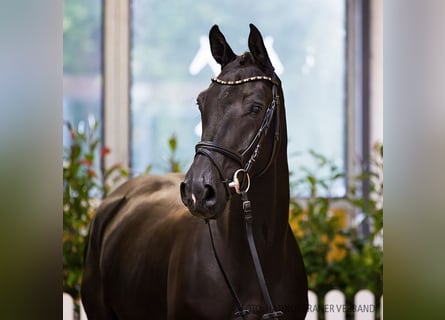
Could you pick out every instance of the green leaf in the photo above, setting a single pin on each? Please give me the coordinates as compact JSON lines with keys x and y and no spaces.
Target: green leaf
{"x":148,"y":169}
{"x":124,"y":173}
{"x":172,"y":142}
{"x":312,"y":180}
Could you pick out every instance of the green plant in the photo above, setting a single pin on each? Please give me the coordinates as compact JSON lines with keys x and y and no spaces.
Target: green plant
{"x":336,"y":254}
{"x":371,"y":205}
{"x":175,"y":165}
{"x":84,"y":184}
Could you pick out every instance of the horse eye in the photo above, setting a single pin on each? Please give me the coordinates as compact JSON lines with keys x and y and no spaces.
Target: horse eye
{"x":256,"y":109}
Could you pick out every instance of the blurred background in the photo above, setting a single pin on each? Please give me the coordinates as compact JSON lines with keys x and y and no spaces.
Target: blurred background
{"x":132,"y":70}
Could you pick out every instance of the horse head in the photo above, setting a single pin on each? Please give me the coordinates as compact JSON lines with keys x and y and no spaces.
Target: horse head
{"x":237,"y":110}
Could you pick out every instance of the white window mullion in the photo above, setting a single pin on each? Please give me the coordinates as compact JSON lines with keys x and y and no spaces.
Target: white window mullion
{"x":376,"y":76}
{"x":353,"y":90}
{"x":117,"y":80}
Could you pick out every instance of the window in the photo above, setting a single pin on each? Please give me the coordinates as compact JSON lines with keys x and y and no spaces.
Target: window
{"x":306,"y":41}
{"x":82,"y":60}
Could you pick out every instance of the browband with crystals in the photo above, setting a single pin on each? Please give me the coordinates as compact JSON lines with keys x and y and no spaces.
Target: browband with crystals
{"x":236,"y":82}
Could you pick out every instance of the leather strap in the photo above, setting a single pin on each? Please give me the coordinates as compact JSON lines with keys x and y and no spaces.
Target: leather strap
{"x":225,"y":181}
{"x":241,"y":311}
{"x":248,"y":219}
{"x":271,"y":113}
{"x":205,"y":148}
{"x":235,"y":156}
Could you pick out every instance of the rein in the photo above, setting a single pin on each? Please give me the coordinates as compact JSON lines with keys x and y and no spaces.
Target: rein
{"x":206,"y":148}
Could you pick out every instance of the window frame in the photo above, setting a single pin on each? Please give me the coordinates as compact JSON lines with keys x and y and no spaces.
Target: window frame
{"x":116,"y":80}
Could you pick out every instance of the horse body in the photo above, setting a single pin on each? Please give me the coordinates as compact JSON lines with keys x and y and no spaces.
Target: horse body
{"x":150,"y":257}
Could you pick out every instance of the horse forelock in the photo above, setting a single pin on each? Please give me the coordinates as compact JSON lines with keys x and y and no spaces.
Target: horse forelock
{"x":246,"y":58}
{"x":241,"y":67}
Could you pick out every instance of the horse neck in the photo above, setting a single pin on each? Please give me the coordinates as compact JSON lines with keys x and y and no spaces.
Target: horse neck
{"x":270,"y":201}
{"x":269,"y":195}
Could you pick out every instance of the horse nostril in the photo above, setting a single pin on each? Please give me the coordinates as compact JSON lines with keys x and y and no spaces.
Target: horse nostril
{"x":202,"y":201}
{"x":209,"y":195}
{"x":184,"y":197}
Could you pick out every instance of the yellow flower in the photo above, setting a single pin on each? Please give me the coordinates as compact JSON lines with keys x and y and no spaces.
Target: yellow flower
{"x":294,"y":222}
{"x":324,"y":238}
{"x":337,"y":250}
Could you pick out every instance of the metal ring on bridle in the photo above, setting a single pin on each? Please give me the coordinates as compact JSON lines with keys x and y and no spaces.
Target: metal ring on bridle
{"x":236,"y":183}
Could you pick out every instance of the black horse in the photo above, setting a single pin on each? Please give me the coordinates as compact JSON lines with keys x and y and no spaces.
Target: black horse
{"x":150,"y":257}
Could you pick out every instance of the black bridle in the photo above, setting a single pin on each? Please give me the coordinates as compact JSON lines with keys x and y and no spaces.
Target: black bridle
{"x":207,"y":148}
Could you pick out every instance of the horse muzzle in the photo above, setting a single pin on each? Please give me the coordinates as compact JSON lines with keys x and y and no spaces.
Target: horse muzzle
{"x":202,"y":190}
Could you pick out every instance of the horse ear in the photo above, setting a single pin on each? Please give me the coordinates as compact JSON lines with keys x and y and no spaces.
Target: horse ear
{"x":258,"y":50}
{"x":221,"y":50}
